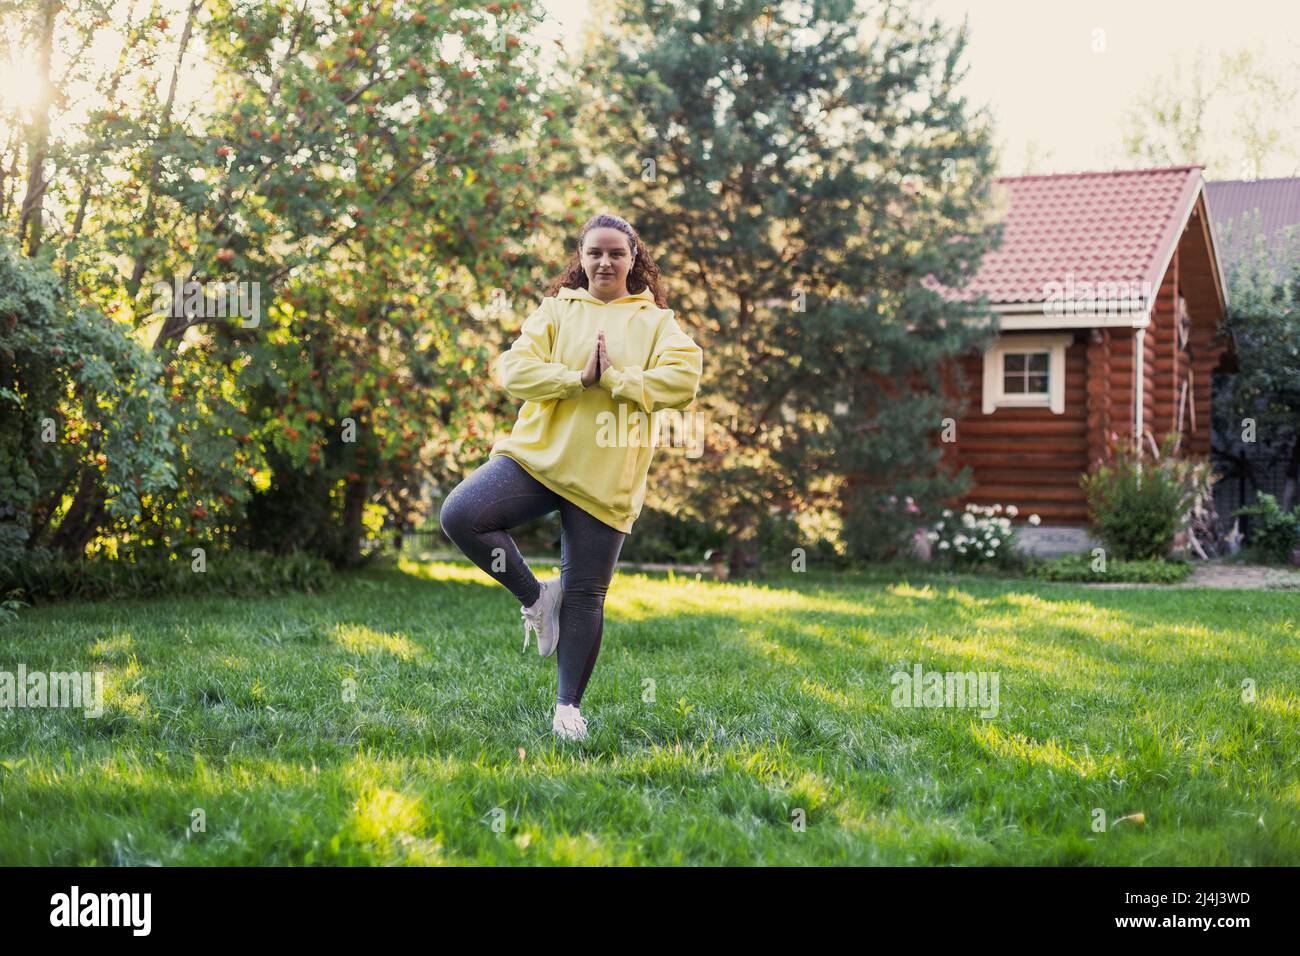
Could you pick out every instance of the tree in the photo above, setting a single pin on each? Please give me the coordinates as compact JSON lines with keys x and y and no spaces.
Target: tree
{"x":1187,"y":116}
{"x":366,"y":167}
{"x":1257,"y":409}
{"x":803,"y":172}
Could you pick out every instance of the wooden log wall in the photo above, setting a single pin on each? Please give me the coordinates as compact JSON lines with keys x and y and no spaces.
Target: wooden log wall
{"x":1027,"y":457}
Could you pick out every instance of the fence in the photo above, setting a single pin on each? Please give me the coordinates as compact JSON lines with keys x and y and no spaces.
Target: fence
{"x":1236,"y":488}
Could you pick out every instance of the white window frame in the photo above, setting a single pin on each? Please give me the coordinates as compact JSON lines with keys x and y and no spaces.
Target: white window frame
{"x":1054,"y":398}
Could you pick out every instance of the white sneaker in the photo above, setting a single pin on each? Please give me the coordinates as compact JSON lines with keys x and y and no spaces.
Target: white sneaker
{"x":568,"y":723}
{"x":543,"y":618}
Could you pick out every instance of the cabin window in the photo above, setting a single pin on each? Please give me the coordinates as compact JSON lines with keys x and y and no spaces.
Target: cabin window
{"x":1026,"y":371}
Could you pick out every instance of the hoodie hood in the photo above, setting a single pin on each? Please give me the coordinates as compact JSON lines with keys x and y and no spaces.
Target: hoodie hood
{"x":645,"y":295}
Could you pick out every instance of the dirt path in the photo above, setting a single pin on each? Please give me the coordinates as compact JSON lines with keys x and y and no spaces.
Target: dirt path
{"x":1214,"y":574}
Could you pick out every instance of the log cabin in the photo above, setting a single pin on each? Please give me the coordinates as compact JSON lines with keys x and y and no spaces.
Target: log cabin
{"x":1108,"y":297}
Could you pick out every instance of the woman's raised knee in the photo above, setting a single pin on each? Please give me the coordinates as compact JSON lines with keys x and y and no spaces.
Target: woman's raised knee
{"x":452,"y":517}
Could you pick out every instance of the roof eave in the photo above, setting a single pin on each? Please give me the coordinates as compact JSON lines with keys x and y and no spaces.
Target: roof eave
{"x":1029,"y":316}
{"x":1220,"y":286}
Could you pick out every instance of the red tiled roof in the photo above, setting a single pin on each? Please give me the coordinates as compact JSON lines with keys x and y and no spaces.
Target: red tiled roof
{"x":1112,"y":227}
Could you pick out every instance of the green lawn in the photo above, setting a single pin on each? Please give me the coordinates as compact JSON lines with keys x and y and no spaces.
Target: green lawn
{"x":769,"y":700}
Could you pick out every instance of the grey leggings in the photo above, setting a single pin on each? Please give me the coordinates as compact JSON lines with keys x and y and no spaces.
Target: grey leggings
{"x":501,"y":494}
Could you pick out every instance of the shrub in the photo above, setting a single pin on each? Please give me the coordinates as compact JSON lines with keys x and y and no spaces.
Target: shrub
{"x":1081,"y":567}
{"x":1275,"y":534}
{"x":82,"y":416}
{"x":662,"y":536}
{"x":9,"y":607}
{"x":876,"y":526}
{"x":1136,"y":516}
{"x":982,"y":535}
{"x":40,"y":577}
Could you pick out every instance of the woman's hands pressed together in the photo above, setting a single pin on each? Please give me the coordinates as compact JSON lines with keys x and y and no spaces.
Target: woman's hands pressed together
{"x":604,"y":356}
{"x":597,"y":363}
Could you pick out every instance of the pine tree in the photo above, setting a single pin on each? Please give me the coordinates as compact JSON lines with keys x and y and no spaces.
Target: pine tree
{"x":799,"y":170}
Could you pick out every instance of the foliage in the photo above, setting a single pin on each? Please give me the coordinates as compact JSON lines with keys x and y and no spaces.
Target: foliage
{"x":1275,"y":534}
{"x":663,"y":536}
{"x":1256,"y":411}
{"x":41,"y":577}
{"x":9,"y":607}
{"x":361,"y":177}
{"x":1083,"y":567}
{"x":1136,"y":507}
{"x":981,"y":535}
{"x":86,"y":439}
{"x":781,"y":533}
{"x":1176,"y":119}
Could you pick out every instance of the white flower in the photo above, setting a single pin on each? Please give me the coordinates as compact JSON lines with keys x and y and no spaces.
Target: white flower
{"x":947,"y":513}
{"x":988,"y":554}
{"x":1035,"y":520}
{"x":961,"y":550}
{"x":1013,"y":510}
{"x":943,"y":545}
{"x":939,"y":526}
{"x":968,"y":520}
{"x":996,"y":509}
{"x":1004,"y":524}
{"x":933,"y":536}
{"x":995,"y":542}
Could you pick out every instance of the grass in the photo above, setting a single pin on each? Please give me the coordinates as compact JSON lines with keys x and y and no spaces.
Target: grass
{"x":1081,"y":567}
{"x":771,"y":704}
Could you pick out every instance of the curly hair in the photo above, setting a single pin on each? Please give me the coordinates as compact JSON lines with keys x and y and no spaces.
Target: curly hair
{"x":644,"y":274}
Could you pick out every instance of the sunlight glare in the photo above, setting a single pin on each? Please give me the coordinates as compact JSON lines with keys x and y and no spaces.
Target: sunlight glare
{"x":19,"y":89}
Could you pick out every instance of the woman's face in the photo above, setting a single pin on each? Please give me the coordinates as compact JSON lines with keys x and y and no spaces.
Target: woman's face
{"x":607,"y":260}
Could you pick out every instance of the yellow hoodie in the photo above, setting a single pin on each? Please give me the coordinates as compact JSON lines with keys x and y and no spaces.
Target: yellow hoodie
{"x":591,"y":445}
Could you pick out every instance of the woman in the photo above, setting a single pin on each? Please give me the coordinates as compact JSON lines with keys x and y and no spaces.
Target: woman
{"x":606,"y":340}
